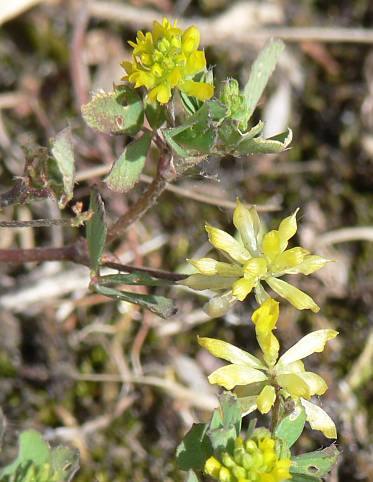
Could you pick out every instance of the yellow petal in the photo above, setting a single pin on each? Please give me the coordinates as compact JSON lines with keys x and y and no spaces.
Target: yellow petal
{"x":267,"y":314}
{"x":196,"y":62}
{"x":316,"y":384}
{"x":287,"y":229}
{"x":294,"y":367}
{"x":231,"y":353}
{"x":241,"y":288}
{"x":266,"y":399}
{"x":270,"y":347}
{"x":232,"y":375}
{"x":247,"y":224}
{"x":224,"y":241}
{"x":200,"y":90}
{"x":212,"y":467}
{"x":190,"y":39}
{"x":293,"y":384}
{"x":319,"y":419}
{"x":209,"y":267}
{"x":289,"y":259}
{"x":312,"y":343}
{"x":271,"y":245}
{"x":203,"y":282}
{"x":255,"y":268}
{"x":310,"y":264}
{"x":296,"y":297}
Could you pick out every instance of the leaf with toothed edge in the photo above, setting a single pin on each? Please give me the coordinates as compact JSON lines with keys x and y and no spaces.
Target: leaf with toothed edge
{"x":118,"y":112}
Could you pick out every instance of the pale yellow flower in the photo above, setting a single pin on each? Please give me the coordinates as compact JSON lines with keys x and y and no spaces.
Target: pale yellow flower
{"x":262,"y":382}
{"x":257,"y":257}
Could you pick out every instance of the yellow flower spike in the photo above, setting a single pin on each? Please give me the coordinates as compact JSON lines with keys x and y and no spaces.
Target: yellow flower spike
{"x":168,"y":58}
{"x":266,"y":399}
{"x":258,"y":258}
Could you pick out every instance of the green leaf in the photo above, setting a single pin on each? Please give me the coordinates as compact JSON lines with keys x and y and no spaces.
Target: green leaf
{"x":33,"y":448}
{"x":195,"y":448}
{"x":159,"y":305}
{"x":63,"y":155}
{"x":96,"y":230}
{"x":225,"y":425}
{"x":259,"y":145}
{"x":315,"y":464}
{"x":65,"y":463}
{"x":261,"y":71}
{"x":291,"y":427}
{"x":118,"y":112}
{"x":192,"y":477}
{"x":304,"y":478}
{"x":230,"y":135}
{"x":127,"y":169}
{"x":136,"y":278}
{"x":156,"y":114}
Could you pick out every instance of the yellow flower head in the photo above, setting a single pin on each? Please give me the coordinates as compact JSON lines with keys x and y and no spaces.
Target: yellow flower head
{"x":255,"y":459}
{"x":262,"y":382}
{"x":257,"y":257}
{"x":168,"y":58}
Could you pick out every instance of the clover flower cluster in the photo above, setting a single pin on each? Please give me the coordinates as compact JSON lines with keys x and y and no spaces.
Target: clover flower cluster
{"x":253,"y":460}
{"x":168,"y":58}
{"x":256,"y":257}
{"x":263,"y":381}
